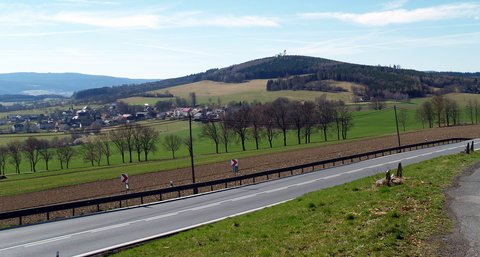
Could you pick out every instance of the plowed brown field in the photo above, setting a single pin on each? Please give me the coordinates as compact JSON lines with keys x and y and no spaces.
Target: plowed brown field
{"x":222,"y":170}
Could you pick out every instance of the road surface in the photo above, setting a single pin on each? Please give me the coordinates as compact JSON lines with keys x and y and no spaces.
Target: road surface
{"x":86,"y":235}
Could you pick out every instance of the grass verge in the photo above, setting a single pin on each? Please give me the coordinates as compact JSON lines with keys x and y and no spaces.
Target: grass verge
{"x":347,"y":220}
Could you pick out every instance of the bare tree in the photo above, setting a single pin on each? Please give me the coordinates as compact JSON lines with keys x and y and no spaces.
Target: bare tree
{"x":31,"y":150}
{"x":173,"y":142}
{"x":3,"y":159}
{"x":452,"y":111}
{"x":295,"y":117}
{"x":106,"y":148}
{"x":116,"y":137}
{"x":345,"y":118}
{"x":325,"y":115}
{"x":280,"y":111}
{"x":64,"y":152}
{"x":90,"y":152}
{"x":127,"y":131}
{"x":470,"y":110}
{"x":15,"y":150}
{"x":403,"y":118}
{"x":45,"y":153}
{"x":256,"y":120}
{"x":225,"y":133}
{"x":211,"y":130}
{"x":377,"y":103}
{"x":149,"y":138}
{"x":239,"y":121}
{"x":428,"y":113}
{"x":137,"y":141}
{"x":438,"y":104}
{"x":308,"y":113}
{"x":268,"y":120}
{"x":420,"y":117}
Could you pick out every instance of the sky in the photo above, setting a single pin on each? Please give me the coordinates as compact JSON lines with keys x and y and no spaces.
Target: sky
{"x":164,"y":39}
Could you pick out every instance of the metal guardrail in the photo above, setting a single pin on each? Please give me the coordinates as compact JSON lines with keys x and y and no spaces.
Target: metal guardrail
{"x":209,"y":184}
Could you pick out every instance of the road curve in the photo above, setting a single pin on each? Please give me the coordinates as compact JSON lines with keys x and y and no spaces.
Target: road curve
{"x":90,"y":234}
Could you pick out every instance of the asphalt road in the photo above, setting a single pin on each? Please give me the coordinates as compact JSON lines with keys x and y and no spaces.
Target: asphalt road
{"x":86,"y":235}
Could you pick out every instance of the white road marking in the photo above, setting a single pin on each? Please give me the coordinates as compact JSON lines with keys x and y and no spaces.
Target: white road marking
{"x":161,"y":216}
{"x":46,"y":241}
{"x":108,"y":227}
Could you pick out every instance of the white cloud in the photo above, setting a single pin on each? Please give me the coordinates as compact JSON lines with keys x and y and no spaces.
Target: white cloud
{"x":132,"y":21}
{"x":401,"y":16}
{"x":150,"y":21}
{"x":394,"y":4}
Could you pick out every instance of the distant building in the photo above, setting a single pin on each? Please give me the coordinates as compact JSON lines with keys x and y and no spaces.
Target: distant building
{"x":17,"y":128}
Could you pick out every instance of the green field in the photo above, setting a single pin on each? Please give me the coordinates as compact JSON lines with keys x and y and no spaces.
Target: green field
{"x":353,"y":219}
{"x":366,"y":124}
{"x":254,"y":90}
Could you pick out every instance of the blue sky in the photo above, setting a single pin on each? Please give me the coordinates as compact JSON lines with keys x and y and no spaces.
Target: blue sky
{"x":163,"y":39}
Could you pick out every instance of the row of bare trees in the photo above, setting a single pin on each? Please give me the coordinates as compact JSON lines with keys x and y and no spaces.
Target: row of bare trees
{"x":34,"y":150}
{"x":439,"y":110}
{"x":128,"y":139}
{"x":258,"y":121}
{"x":131,"y":139}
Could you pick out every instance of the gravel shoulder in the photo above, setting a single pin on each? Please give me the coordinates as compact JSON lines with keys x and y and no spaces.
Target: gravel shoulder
{"x":221,"y":170}
{"x":463,"y":208}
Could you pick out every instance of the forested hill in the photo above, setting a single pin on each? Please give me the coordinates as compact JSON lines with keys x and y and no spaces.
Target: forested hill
{"x":284,"y":74}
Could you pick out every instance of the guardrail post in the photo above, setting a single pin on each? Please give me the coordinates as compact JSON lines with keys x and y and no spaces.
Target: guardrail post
{"x":73,"y":209}
{"x":141,"y":199}
{"x":253,"y":179}
{"x":48,"y":215}
{"x":20,"y":220}
{"x":98,"y":207}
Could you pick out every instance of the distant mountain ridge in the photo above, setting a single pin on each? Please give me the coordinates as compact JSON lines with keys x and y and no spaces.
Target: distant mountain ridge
{"x":65,"y":84}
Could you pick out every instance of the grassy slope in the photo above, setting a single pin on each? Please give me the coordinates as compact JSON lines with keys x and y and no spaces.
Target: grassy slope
{"x":347,"y":220}
{"x":210,"y":91}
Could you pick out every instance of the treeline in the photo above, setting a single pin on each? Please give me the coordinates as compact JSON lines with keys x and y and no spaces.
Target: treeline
{"x":259,"y":121}
{"x":305,"y":82}
{"x":381,"y":82}
{"x":443,"y":111}
{"x":129,"y":140}
{"x":110,"y":94}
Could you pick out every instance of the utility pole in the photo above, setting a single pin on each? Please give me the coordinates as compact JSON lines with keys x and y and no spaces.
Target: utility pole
{"x":396,"y":122}
{"x":195,"y":190}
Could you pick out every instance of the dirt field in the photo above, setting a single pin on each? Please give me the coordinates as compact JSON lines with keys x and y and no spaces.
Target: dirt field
{"x":221,"y":170}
